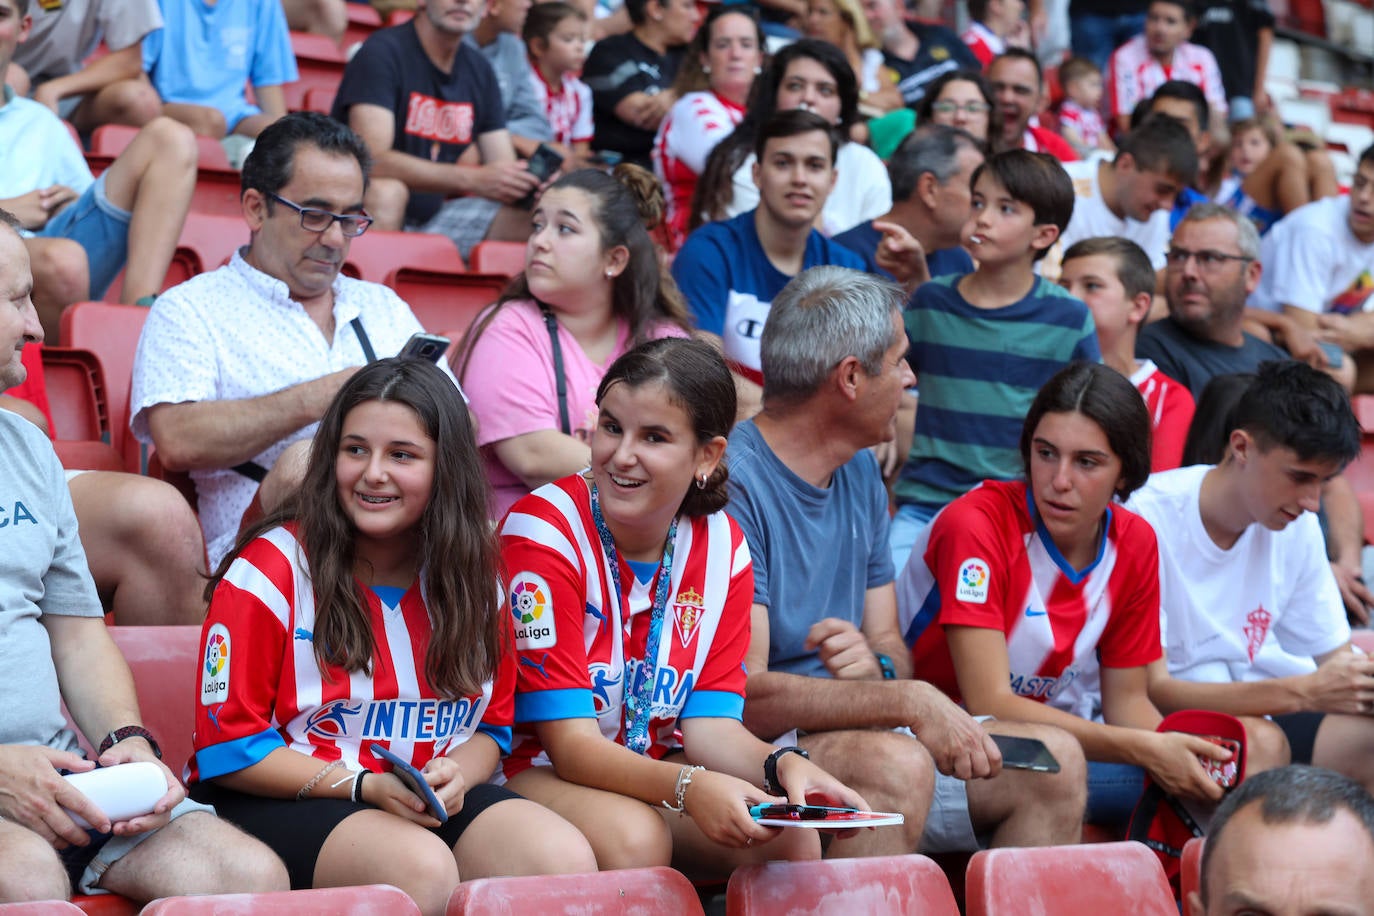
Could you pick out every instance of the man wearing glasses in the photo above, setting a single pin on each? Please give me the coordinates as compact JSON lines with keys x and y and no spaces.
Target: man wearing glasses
{"x":236,"y":365}
{"x":1212,"y":266}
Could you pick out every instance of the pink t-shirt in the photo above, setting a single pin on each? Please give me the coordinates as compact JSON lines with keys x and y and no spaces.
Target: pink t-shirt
{"x":512,"y":391}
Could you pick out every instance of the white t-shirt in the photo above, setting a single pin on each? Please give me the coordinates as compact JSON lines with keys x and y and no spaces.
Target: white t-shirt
{"x":1092,"y":219}
{"x":862,"y":190}
{"x":1261,"y":609}
{"x":1313,"y":261}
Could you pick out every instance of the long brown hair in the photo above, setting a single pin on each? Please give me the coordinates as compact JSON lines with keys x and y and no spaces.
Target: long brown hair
{"x":626,"y":206}
{"x":457,"y":548}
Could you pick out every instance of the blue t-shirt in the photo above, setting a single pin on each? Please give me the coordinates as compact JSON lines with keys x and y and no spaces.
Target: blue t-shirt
{"x":863,"y":240}
{"x":729,"y":283}
{"x":204,"y":53}
{"x":816,"y":551}
{"x":979,"y":370}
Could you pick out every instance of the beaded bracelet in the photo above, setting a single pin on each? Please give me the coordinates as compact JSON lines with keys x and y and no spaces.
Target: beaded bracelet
{"x":309,"y":787}
{"x":684,"y":779}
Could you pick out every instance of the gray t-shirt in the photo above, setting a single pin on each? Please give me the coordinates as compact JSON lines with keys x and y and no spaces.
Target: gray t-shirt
{"x":64,"y":35}
{"x":816,"y":551}
{"x":42,"y":571}
{"x":524,"y":114}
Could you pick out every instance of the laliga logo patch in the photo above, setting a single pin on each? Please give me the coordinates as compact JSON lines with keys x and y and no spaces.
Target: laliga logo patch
{"x":214,"y":674}
{"x":973,"y":581}
{"x":687,"y":615}
{"x":532,"y":612}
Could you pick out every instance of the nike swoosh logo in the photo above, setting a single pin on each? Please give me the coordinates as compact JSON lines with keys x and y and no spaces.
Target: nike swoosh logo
{"x":1030,"y":613}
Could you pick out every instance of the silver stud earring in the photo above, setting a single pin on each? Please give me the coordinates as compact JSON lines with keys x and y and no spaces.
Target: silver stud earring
{"x":706,"y":68}
{"x":758,"y":70}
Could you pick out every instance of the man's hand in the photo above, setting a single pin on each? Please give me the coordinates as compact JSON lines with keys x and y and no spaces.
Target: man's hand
{"x":33,"y":794}
{"x":135,"y":749}
{"x":1354,"y":593}
{"x":505,"y":181}
{"x":844,"y":650}
{"x":1174,"y":765}
{"x":35,"y":208}
{"x":1347,"y":332}
{"x":1301,"y":344}
{"x":960,"y":746}
{"x":1344,"y":683}
{"x":900,"y":254}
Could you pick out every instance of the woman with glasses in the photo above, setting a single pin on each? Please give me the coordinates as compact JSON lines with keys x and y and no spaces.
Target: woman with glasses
{"x":960,"y":99}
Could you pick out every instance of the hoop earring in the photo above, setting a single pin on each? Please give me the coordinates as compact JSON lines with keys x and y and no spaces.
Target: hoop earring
{"x":701,"y":482}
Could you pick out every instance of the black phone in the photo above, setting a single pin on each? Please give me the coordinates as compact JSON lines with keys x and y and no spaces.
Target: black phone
{"x":542,"y":164}
{"x":1025,"y":754}
{"x":425,"y":346}
{"x":797,"y":812}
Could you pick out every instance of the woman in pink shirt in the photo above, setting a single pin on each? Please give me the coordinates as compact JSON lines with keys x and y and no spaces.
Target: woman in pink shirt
{"x":592,"y":288}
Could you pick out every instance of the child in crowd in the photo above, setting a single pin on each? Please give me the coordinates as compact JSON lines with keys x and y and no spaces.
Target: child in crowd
{"x":1114,"y":277}
{"x":556,"y":36}
{"x":983,"y":343}
{"x":1270,"y":177}
{"x":1079,"y":121}
{"x":367,"y":613}
{"x":1161,"y":53}
{"x":993,"y":25}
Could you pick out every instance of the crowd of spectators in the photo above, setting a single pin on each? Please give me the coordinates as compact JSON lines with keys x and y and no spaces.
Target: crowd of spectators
{"x":866,"y":397}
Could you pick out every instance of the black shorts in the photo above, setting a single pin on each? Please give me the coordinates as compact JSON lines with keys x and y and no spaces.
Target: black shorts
{"x":296,"y":830}
{"x":1301,"y":730}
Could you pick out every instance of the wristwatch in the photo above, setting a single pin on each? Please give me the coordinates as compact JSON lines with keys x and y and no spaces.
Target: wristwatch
{"x":129,"y":731}
{"x":770,"y":769}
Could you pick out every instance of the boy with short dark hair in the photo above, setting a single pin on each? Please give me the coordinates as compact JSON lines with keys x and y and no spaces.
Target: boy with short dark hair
{"x":1114,"y":278}
{"x":1131,"y":195}
{"x":983,"y":343}
{"x":1162,"y":52}
{"x":1251,"y":616}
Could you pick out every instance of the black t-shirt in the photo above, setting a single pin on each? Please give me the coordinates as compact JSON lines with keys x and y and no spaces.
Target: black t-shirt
{"x":438,"y":114}
{"x":1194,"y":362}
{"x":1111,"y":8}
{"x":1230,"y":30}
{"x":941,"y":52}
{"x":618,"y":66}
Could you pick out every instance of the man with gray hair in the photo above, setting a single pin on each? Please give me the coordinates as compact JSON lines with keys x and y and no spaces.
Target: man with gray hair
{"x":827,"y":658}
{"x":932,"y":197}
{"x":1293,"y":841}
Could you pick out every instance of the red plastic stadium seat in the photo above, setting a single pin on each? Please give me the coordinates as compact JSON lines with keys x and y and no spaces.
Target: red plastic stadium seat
{"x":658,"y":891}
{"x":1068,"y":881}
{"x":106,"y":905}
{"x":39,"y":908}
{"x":1190,"y":879}
{"x":209,"y":240}
{"x":76,"y":394}
{"x":366,"y":900}
{"x":442,"y":299}
{"x":320,"y":64}
{"x":165,"y":662}
{"x":376,"y":254}
{"x":363,"y":20}
{"x":1360,"y":472}
{"x":111,"y":332}
{"x":498,"y":258}
{"x":87,"y":455}
{"x":109,"y":140}
{"x":216,"y":192}
{"x":320,"y":98}
{"x":843,"y":887}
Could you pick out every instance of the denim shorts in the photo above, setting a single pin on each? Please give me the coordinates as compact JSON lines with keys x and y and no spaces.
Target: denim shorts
{"x":99,"y":227}
{"x":1113,"y":790}
{"x":86,"y":865}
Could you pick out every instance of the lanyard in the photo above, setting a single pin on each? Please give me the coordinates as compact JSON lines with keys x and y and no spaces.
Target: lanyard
{"x":638,"y":701}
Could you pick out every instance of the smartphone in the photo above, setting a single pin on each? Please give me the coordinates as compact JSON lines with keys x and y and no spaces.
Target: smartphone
{"x":414,"y":781}
{"x":1223,"y":772}
{"x":1335,"y":356}
{"x":797,"y":812}
{"x":1025,"y":754}
{"x":425,"y":346}
{"x":545,"y":161}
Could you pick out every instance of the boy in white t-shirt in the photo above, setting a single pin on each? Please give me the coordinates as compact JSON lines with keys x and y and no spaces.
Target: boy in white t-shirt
{"x":1251,"y":616}
{"x":1130,"y":195}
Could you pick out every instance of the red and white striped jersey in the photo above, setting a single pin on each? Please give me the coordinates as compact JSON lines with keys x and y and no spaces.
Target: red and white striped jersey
{"x":569,"y":109}
{"x":688,"y":133}
{"x":1171,"y":413}
{"x":1133,"y":74}
{"x":983,"y":42}
{"x":261,"y":688}
{"x":578,"y":655}
{"x":985,"y":562}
